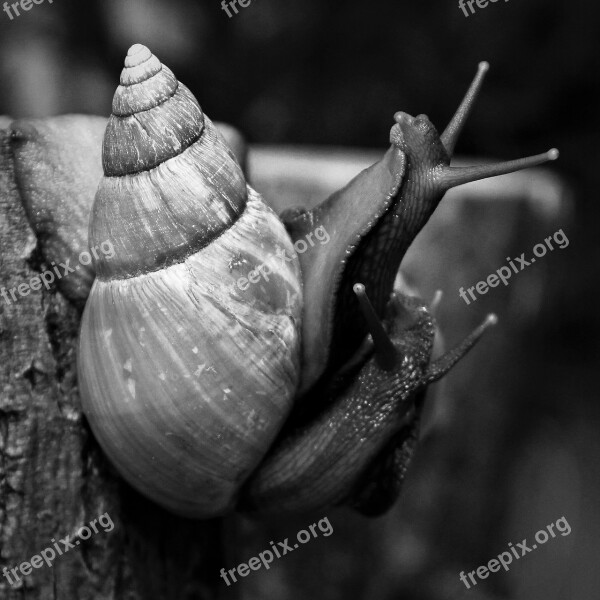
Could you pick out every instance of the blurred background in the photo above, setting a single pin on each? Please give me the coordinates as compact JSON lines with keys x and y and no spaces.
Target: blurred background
{"x":517,"y":445}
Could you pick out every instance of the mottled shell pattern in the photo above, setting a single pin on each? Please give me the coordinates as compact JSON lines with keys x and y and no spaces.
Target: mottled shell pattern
{"x":206,"y":371}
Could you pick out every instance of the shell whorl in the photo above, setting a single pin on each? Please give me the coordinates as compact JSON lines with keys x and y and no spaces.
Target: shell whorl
{"x":150,"y":105}
{"x":171,"y":184}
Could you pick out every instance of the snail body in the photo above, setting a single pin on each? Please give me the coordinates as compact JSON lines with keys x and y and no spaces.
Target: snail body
{"x":283,"y":395}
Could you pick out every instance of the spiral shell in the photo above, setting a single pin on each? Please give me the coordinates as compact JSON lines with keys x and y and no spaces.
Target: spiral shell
{"x":185,"y":377}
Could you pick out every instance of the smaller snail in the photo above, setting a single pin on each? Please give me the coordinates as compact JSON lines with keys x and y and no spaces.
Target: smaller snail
{"x":284,"y":395}
{"x":315,"y":464}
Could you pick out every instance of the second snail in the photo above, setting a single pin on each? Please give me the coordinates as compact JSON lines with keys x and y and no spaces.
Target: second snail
{"x":298,"y":392}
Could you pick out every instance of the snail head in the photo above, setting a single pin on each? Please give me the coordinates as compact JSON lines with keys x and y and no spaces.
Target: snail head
{"x":413,"y":176}
{"x":418,"y":138}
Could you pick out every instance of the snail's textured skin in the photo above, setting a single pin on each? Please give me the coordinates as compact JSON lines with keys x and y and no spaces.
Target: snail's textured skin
{"x":270,"y":397}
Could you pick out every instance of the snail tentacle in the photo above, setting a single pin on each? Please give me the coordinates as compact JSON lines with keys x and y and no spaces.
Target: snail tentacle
{"x":385,"y":352}
{"x":449,"y":177}
{"x":453,"y":129}
{"x":442,"y":365}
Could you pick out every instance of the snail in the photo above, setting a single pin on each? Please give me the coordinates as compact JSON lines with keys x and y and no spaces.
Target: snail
{"x":288,"y":393}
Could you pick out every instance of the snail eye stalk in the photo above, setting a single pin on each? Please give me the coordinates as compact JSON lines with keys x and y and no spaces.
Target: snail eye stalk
{"x":443,"y":364}
{"x":386,"y":354}
{"x":452,"y":176}
{"x":452,"y":131}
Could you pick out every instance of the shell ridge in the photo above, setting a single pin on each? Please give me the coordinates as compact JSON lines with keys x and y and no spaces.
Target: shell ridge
{"x":254,"y":199}
{"x":177,"y":259}
{"x":169,"y":210}
{"x":132,"y":83}
{"x":184,"y":147}
{"x":174,"y":125}
{"x":138,"y":73}
{"x":160,"y":103}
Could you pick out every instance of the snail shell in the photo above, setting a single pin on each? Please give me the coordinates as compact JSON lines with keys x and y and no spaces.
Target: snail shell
{"x":185,"y":377}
